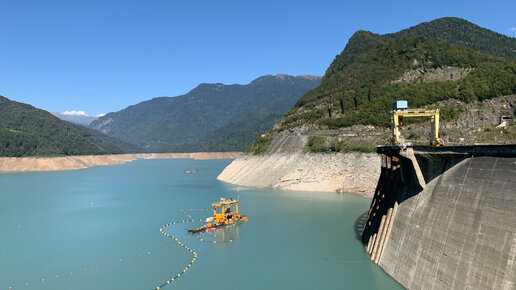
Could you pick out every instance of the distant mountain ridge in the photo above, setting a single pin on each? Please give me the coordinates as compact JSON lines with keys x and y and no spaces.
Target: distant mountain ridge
{"x":28,"y":131}
{"x":164,"y":123}
{"x":83,"y":120}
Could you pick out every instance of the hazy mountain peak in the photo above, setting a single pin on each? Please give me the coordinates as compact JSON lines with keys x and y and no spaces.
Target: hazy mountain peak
{"x":76,"y":117}
{"x":310,"y":77}
{"x":282,"y":76}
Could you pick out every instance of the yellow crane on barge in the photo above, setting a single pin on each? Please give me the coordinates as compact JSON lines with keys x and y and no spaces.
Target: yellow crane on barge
{"x":225,"y":212}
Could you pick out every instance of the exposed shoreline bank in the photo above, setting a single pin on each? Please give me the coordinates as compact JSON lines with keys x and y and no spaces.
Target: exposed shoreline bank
{"x":355,"y":173}
{"x":30,"y":164}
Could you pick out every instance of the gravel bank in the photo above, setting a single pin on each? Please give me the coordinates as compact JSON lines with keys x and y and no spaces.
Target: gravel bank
{"x":23,"y":164}
{"x":340,"y":172}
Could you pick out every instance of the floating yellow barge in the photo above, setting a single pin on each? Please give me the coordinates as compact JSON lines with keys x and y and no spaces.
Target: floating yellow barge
{"x":225,"y":212}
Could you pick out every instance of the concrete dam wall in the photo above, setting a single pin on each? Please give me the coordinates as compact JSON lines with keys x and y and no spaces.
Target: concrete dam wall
{"x":445,"y":217}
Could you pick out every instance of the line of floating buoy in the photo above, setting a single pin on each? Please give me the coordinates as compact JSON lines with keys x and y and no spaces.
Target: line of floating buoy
{"x":84,"y":269}
{"x":182,"y":245}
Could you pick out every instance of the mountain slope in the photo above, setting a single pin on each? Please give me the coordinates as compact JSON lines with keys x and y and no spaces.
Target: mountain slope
{"x":381,"y":68}
{"x":161,"y":122}
{"x":235,"y":136}
{"x":28,"y":131}
{"x":374,"y":70}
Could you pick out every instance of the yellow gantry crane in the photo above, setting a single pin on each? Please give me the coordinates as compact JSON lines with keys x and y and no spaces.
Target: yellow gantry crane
{"x":223,"y":211}
{"x":400,"y":109}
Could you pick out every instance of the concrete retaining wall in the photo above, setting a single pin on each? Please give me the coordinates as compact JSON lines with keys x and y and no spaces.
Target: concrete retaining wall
{"x":445,"y":218}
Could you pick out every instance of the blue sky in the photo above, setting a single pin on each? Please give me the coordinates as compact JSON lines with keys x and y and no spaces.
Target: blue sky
{"x":102,"y":56}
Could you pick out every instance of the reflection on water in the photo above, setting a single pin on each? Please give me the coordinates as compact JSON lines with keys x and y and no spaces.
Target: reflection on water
{"x":225,"y":234}
{"x":359,"y":225}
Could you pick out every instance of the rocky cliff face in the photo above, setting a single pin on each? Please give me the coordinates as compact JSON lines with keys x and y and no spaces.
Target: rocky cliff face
{"x":487,"y":122}
{"x":446,"y":73}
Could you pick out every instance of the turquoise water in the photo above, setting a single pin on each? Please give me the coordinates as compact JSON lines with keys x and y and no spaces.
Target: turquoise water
{"x":98,"y":228}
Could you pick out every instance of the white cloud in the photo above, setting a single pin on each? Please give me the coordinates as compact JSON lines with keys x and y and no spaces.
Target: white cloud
{"x":513,"y":29}
{"x":75,"y":113}
{"x":81,"y":113}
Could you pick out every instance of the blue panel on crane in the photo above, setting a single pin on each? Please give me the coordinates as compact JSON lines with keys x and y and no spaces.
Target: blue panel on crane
{"x":400,"y":105}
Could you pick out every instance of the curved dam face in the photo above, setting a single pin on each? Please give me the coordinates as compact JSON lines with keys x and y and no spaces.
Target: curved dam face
{"x":445,"y":217}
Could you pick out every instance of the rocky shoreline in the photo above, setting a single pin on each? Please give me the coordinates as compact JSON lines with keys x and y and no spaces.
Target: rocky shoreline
{"x":28,"y":164}
{"x":356,"y":173}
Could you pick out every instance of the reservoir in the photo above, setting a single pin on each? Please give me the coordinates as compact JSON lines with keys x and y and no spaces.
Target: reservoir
{"x":99,"y":228}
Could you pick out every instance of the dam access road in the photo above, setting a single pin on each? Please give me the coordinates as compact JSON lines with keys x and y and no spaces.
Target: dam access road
{"x":445,"y":217}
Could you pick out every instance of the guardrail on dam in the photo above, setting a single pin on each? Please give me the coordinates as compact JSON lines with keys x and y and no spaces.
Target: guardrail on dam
{"x":445,"y":217}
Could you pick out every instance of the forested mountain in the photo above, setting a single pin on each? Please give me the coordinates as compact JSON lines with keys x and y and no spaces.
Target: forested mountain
{"x":463,"y":33}
{"x":217,"y":110}
{"x":444,"y":59}
{"x":28,"y":131}
{"x":235,"y":136}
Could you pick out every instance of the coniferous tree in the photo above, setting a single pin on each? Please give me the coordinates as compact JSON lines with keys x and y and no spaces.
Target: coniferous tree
{"x":369,"y":94}
{"x":356,"y":98}
{"x":330,"y":103}
{"x":342,"y":101}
